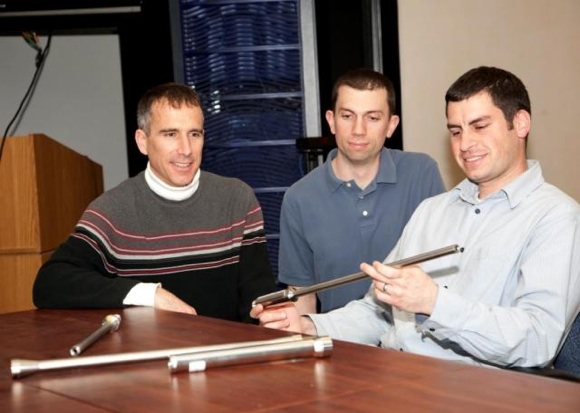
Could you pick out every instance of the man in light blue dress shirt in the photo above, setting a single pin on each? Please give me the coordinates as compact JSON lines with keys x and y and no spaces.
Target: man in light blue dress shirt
{"x":511,"y":296}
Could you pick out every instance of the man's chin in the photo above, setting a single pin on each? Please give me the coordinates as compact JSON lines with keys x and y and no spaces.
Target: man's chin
{"x":181,"y":181}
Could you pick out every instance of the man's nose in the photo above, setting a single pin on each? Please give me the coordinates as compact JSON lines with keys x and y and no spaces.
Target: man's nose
{"x":359,"y":127}
{"x":184,"y":146}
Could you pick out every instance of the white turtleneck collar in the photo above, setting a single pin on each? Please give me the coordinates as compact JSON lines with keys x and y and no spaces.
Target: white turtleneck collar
{"x":172,"y":193}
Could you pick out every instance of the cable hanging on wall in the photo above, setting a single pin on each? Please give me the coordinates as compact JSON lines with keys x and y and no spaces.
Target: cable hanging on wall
{"x":41,"y":54}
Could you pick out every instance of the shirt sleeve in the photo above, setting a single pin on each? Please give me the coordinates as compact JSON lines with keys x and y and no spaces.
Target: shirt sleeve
{"x":142,"y":294}
{"x":361,"y":321}
{"x":527,"y":330}
{"x":295,"y":266}
{"x":75,"y":277}
{"x":256,"y":277}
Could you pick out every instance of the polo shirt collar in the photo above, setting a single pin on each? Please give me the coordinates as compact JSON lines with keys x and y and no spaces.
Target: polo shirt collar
{"x":387,"y":170}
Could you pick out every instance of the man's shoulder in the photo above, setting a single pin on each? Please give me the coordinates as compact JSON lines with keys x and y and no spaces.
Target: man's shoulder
{"x":123,"y":191}
{"x":312,"y":181}
{"x":555,"y":198}
{"x":407,"y":158}
{"x":417,"y":170}
{"x":221,"y":181}
{"x":115,"y":205}
{"x":225,"y":187}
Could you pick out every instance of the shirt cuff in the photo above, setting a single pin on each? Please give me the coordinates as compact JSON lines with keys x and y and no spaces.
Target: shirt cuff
{"x":318,"y":324}
{"x":142,"y":294}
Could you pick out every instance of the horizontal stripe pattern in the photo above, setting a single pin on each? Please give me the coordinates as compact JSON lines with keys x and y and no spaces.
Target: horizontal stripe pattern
{"x":126,"y":253}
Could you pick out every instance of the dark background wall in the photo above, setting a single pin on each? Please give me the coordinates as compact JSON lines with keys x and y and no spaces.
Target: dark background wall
{"x":147,"y":48}
{"x":344,"y":40}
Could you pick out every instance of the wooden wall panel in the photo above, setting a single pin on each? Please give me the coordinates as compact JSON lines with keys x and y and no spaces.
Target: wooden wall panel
{"x":44,"y":188}
{"x":17,"y":274}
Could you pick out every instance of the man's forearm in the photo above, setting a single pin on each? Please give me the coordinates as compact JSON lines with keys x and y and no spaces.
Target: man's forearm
{"x":308,"y":326}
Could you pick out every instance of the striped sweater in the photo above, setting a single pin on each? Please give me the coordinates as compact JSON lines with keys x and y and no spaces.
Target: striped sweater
{"x":209,"y":250}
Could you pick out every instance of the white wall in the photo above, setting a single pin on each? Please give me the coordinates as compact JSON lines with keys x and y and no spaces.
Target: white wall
{"x":78,"y":100}
{"x":538,"y":40}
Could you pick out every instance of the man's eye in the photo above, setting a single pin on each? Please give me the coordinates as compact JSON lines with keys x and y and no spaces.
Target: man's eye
{"x":479,"y":127}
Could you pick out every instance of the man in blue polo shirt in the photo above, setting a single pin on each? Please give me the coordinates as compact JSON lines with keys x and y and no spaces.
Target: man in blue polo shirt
{"x":353,"y":208}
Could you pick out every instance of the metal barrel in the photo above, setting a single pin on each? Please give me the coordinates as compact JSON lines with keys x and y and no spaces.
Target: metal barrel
{"x":313,"y":347}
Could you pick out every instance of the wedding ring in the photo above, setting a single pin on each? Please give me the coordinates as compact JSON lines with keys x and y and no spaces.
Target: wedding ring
{"x":385,"y":285}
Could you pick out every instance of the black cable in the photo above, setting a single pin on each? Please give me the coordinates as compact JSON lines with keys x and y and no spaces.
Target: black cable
{"x":40,"y":59}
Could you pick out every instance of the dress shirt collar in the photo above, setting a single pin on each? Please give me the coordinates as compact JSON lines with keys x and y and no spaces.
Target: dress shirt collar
{"x":515,"y":191}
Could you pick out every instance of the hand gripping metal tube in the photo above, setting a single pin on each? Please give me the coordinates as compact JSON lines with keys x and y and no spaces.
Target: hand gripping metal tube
{"x":292,"y":294}
{"x":308,"y":347}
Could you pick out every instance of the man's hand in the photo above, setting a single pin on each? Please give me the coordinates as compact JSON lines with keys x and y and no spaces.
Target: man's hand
{"x":165,"y":300}
{"x":306,"y":304}
{"x":283,"y":317}
{"x":408,"y":288}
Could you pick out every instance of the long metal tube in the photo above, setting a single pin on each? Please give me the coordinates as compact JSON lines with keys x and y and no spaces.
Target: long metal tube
{"x":292,"y":294}
{"x":22,"y":367}
{"x":313,"y":347}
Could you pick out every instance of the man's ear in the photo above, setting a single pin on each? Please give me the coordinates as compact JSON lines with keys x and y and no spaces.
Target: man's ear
{"x":141,"y":140}
{"x":393,"y":123}
{"x":522,"y":123}
{"x":330,"y":119}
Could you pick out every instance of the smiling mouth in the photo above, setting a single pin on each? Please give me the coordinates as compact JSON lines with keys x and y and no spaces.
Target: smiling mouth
{"x":183,"y":164}
{"x":473,"y":159}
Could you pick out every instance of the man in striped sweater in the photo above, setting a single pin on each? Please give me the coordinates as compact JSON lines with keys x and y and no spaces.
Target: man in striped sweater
{"x":173,"y":237}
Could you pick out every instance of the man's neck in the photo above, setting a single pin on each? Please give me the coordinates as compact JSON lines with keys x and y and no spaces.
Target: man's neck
{"x":363,"y":173}
{"x":485,"y":189}
{"x":172,"y":193}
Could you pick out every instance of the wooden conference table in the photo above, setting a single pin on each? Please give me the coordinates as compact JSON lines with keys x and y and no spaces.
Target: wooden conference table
{"x":354,"y":378}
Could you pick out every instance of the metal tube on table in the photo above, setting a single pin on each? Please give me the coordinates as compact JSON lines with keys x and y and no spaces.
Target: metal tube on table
{"x":312,"y":347}
{"x":22,"y":367}
{"x":110,"y":323}
{"x":292,"y":294}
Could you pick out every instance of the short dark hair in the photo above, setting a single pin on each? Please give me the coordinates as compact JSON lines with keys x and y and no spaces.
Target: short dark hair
{"x":507,"y":91}
{"x":175,"y":94}
{"x":365,"y":79}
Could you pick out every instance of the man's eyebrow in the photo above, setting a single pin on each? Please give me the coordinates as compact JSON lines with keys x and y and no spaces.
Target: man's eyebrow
{"x":480,"y":119}
{"x":368,"y":112}
{"x":474,"y":121}
{"x":165,"y":130}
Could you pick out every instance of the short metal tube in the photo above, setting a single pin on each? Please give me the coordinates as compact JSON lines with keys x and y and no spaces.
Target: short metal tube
{"x":110,"y":323}
{"x":313,"y":347}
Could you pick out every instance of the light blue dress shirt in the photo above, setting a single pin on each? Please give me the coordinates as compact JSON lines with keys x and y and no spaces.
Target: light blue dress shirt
{"x":507,"y":300}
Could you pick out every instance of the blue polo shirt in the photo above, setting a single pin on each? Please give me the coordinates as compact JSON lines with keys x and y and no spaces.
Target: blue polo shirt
{"x":329,"y":226}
